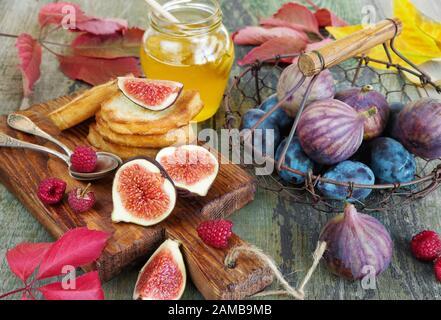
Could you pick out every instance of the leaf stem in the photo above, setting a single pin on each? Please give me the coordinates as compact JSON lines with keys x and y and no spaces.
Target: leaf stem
{"x":13,"y":292}
{"x":2,"y":34}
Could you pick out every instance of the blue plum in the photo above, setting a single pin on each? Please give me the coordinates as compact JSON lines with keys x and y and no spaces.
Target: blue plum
{"x":391,"y":162}
{"x":250,"y":119}
{"x":284,"y":121}
{"x":296,"y":159}
{"x":347,"y":171}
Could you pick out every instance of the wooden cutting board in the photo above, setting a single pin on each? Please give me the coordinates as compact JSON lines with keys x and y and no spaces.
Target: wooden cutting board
{"x":22,"y":170}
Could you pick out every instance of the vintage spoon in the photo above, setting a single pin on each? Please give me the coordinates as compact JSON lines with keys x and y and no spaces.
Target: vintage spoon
{"x":107,"y":162}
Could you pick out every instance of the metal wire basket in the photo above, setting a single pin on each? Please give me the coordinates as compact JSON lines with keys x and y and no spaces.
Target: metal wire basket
{"x":259,"y":81}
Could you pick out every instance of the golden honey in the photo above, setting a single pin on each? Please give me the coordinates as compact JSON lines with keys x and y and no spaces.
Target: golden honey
{"x":197,"y":52}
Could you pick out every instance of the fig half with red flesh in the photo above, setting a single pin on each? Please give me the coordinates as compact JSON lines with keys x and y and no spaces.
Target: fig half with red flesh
{"x":142,"y":193}
{"x":163,"y":277}
{"x":193,"y":169}
{"x":154,"y":95}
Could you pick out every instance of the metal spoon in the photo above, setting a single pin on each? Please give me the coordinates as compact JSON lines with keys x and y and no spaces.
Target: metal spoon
{"x":107,"y":162}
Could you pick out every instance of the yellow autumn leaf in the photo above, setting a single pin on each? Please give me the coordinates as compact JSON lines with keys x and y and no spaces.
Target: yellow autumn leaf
{"x":414,"y":43}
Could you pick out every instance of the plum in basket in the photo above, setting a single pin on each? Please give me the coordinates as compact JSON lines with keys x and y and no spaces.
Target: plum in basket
{"x":283,"y":120}
{"x":347,"y":171}
{"x":296,"y":159}
{"x":391,"y":162}
{"x":268,"y":130}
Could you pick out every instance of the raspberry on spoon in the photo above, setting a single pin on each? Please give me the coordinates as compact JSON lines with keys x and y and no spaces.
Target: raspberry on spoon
{"x":84,"y":159}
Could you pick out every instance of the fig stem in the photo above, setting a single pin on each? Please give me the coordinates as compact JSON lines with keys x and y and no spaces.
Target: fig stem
{"x":369,"y":113}
{"x":367,"y":88}
{"x":85,"y":190}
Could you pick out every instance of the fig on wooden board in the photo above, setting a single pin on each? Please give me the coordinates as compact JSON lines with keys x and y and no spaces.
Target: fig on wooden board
{"x":330,"y":131}
{"x":142,"y":193}
{"x":163,"y":277}
{"x":420,"y":128}
{"x":155,"y":95}
{"x":193,"y":169}
{"x":363,"y":99}
{"x":323,"y":88}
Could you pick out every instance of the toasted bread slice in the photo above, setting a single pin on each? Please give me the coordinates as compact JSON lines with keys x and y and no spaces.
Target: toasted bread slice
{"x":84,"y":106}
{"x":183,"y":135}
{"x":125,"y":117}
{"x":124,"y":152}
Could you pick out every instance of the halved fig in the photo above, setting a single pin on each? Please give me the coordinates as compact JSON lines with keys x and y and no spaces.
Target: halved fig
{"x":193,"y":169}
{"x":155,"y":95}
{"x":142,"y":193}
{"x":163,"y":277}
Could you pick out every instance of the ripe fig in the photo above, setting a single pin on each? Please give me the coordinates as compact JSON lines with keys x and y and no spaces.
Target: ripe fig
{"x":155,"y":95}
{"x":363,"y":99}
{"x":420,"y":128}
{"x":142,"y":193}
{"x":391,"y":162}
{"x":330,"y":131}
{"x":163,"y":277}
{"x":192,"y":168}
{"x":357,"y":245}
{"x":323,"y":88}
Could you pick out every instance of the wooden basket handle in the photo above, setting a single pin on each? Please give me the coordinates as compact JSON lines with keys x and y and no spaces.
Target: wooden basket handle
{"x":314,"y":62}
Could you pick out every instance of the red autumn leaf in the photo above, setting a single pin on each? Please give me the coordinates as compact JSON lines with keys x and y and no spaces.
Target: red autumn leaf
{"x":98,"y":71}
{"x":76,"y":248}
{"x":272,"y":48}
{"x":259,"y":35}
{"x":29,"y":53}
{"x":100,"y":26}
{"x":25,"y":258}
{"x":55,"y":13}
{"x":72,"y":17}
{"x":87,"y":287}
{"x":26,"y":296}
{"x":326,"y":18}
{"x":295,"y":16}
{"x":117,"y":45}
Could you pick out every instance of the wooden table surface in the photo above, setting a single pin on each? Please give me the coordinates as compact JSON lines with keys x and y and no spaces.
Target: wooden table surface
{"x":285,"y":230}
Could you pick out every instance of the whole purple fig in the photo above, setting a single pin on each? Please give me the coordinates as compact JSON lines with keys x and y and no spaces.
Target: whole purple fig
{"x":420,"y":128}
{"x":362,"y":99}
{"x":357,"y":244}
{"x":330,"y":131}
{"x":323,"y":88}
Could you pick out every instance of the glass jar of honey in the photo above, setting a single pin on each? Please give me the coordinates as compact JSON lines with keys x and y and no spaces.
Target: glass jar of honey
{"x":197,"y":51}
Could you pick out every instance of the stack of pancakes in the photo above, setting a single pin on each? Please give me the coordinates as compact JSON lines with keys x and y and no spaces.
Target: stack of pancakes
{"x":129,"y":130}
{"x":124,"y":128}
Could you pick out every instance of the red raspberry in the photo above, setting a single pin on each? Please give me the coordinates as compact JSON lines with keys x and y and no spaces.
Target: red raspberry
{"x":81,"y":200}
{"x":438,"y":269}
{"x":426,"y":246}
{"x":84,"y":159}
{"x":216,"y":233}
{"x":51,"y":191}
